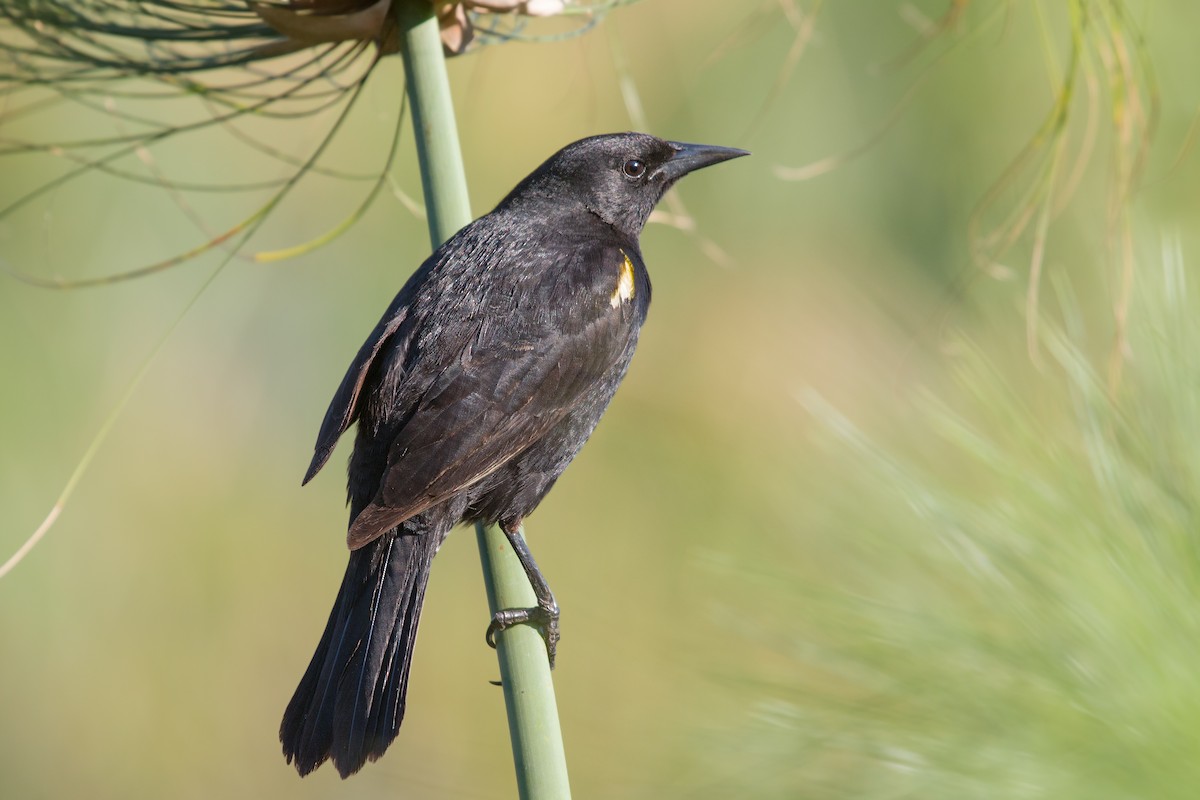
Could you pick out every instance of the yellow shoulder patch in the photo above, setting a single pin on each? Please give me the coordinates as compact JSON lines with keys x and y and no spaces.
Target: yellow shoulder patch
{"x":624,"y":291}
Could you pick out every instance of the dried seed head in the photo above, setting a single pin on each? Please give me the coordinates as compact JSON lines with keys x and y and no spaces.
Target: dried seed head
{"x":303,"y":23}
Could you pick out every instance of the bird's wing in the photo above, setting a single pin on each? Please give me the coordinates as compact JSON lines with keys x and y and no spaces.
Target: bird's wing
{"x":343,"y":409}
{"x":517,"y":378}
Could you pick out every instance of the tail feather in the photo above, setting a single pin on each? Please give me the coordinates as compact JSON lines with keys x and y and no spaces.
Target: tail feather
{"x":350,"y":702}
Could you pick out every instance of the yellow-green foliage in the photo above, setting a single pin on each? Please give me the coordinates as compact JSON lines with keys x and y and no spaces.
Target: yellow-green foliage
{"x":1019,"y":618}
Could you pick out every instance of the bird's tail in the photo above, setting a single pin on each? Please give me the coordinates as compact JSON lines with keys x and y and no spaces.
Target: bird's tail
{"x":350,"y":702}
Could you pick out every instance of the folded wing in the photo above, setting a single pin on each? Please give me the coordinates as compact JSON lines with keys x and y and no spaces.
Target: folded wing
{"x":526,"y":355}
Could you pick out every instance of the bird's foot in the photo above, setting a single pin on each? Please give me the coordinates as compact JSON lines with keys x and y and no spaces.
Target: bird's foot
{"x":542,"y":617}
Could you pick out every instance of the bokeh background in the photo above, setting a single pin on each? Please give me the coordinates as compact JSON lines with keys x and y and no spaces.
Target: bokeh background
{"x":849,"y":529}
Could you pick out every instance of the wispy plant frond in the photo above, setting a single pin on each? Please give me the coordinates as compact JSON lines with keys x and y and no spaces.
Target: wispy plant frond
{"x":1007,"y":606}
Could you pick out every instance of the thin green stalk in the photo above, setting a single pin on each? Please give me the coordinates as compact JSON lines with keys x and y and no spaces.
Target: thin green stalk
{"x":533,"y":724}
{"x":443,"y":179}
{"x":525,"y":675}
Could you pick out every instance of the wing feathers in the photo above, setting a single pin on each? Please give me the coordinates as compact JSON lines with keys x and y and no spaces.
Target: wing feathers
{"x":518,"y":373}
{"x":343,"y":409}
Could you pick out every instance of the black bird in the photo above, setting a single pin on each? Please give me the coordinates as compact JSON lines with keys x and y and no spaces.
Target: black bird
{"x":481,"y":382}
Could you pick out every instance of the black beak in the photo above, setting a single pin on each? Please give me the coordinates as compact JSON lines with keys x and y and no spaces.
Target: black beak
{"x":691,"y":157}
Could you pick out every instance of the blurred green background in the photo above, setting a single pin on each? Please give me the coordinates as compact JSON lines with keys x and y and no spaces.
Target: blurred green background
{"x":756,"y":601}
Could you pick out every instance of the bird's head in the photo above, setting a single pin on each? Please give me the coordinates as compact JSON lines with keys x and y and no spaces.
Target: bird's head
{"x":619,"y":177}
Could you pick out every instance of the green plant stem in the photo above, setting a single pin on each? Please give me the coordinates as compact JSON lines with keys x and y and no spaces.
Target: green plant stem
{"x":533,"y":724}
{"x":525,"y":675}
{"x":443,"y":178}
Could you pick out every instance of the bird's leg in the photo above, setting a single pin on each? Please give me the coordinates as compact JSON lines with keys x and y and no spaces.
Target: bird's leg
{"x":544,"y":615}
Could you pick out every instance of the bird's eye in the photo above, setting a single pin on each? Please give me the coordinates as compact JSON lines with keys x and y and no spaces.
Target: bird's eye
{"x":634,"y":168}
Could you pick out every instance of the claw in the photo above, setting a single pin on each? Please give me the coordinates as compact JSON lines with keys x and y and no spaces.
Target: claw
{"x":544,"y":618}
